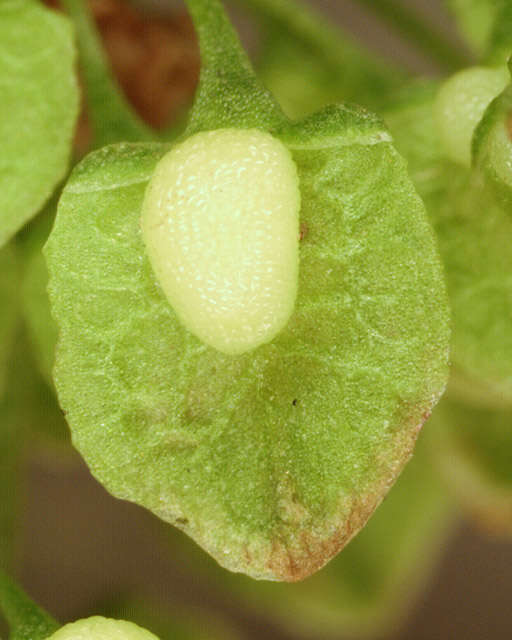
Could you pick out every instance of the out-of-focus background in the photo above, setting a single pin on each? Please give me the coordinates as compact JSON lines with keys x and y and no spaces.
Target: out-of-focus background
{"x":80,"y":547}
{"x":80,"y":551}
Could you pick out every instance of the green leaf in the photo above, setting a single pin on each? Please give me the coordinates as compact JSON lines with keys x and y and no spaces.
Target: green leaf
{"x":112,"y":118}
{"x":475,"y":455}
{"x":27,"y":621}
{"x":474,"y":235}
{"x":307,"y":63}
{"x":255,"y":456}
{"x":38,"y":108}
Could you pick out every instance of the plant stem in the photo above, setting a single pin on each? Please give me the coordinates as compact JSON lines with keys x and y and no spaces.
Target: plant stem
{"x":27,"y":621}
{"x":112,"y":118}
{"x":229,"y":93}
{"x":424,"y":37}
{"x":499,"y":42}
{"x":311,"y":27}
{"x":353,"y":72}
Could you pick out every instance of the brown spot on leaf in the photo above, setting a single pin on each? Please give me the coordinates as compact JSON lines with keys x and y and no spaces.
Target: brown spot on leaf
{"x":247,"y":556}
{"x":309,"y":552}
{"x":426,"y":415}
{"x":297,"y":554}
{"x":303,"y":231}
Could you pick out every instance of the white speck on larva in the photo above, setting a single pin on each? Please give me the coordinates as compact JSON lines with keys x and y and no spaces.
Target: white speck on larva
{"x":225,"y":249}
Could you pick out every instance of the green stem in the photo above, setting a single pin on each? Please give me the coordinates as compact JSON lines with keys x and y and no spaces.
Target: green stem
{"x":407,"y":22}
{"x":499,"y":44}
{"x":229,"y":94}
{"x":27,"y":621}
{"x":359,"y":74}
{"x":112,"y":118}
{"x":310,"y":26}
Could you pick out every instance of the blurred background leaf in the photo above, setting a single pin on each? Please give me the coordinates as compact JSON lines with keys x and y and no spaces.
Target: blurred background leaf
{"x":38,"y":108}
{"x":474,"y":453}
{"x":474,"y":235}
{"x":9,"y":278}
{"x":27,"y":621}
{"x":307,"y":62}
{"x":111,"y":116}
{"x":475,"y":19}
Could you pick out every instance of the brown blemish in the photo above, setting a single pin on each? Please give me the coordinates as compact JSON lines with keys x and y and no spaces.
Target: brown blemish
{"x":425,"y":416}
{"x":309,"y":553}
{"x":298,"y":555}
{"x":295,"y":551}
{"x":303,"y":231}
{"x":247,"y":556}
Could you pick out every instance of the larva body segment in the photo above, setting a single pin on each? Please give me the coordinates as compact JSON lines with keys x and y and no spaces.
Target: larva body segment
{"x":220,"y":221}
{"x":461,"y":103}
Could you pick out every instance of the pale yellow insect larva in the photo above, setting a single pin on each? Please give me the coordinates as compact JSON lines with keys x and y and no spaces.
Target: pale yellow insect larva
{"x":220,"y":221}
{"x":461,"y":103}
{"x":99,"y":628}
